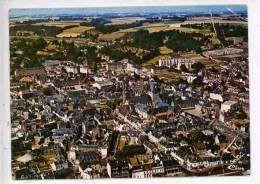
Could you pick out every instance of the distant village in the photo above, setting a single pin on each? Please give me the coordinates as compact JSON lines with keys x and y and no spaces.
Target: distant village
{"x":124,"y":120}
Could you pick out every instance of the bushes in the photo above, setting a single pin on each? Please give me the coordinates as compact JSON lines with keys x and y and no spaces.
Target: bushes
{"x":113,"y":28}
{"x":101,"y":27}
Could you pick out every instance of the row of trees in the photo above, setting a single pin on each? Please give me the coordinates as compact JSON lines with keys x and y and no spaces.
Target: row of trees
{"x":95,"y":22}
{"x":143,"y":39}
{"x":100,"y":25}
{"x":113,"y":28}
{"x":38,"y":30}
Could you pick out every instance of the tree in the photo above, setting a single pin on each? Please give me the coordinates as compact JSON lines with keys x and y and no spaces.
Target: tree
{"x":198,"y":82}
{"x":196,"y":136}
{"x":241,"y":114}
{"x":130,"y":150}
{"x":114,"y":103}
{"x":36,"y":29}
{"x":197,"y":66}
{"x":184,"y":68}
{"x":39,"y":44}
{"x":91,"y":56}
{"x":141,"y":39}
{"x":48,"y":91}
{"x":182,"y":81}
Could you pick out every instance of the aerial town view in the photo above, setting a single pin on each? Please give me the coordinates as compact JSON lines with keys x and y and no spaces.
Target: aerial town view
{"x":129,"y":92}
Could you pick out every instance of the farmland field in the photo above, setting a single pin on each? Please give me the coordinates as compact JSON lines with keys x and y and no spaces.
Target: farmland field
{"x":214,"y":20}
{"x":138,"y":51}
{"x":156,"y":27}
{"x":169,"y":75}
{"x":125,"y":20}
{"x":115,"y":35}
{"x":74,"y":31}
{"x":61,"y":24}
{"x":167,"y":26}
{"x":165,"y":50}
{"x":196,"y":57}
{"x":111,"y":36}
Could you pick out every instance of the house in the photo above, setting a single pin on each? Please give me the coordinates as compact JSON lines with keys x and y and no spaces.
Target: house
{"x":98,"y":118}
{"x":227,"y":105}
{"x":185,"y":103}
{"x":157,"y":70}
{"x":114,"y":66}
{"x":143,"y":99}
{"x":89,"y":173}
{"x":153,"y":91}
{"x":84,"y":69}
{"x":155,"y":136}
{"x":87,"y":125}
{"x":103,"y":151}
{"x":88,"y":158}
{"x":162,"y":111}
{"x":118,"y":169}
{"x":131,"y":67}
{"x":87,"y":147}
{"x":71,"y":69}
{"x":235,"y":40}
{"x":171,"y":167}
{"x":72,"y":155}
{"x":144,"y":140}
{"x":26,"y":173}
{"x":102,"y":85}
{"x":143,"y":110}
{"x":105,"y":57}
{"x":216,"y":96}
{"x":221,"y":52}
{"x":51,"y":65}
{"x":36,"y":71}
{"x":177,"y":62}
{"x":148,"y":170}
{"x":59,"y":165}
{"x":113,"y":141}
{"x":238,"y":124}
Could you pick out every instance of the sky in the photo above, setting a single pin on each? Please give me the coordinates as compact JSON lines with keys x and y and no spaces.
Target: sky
{"x":125,"y":10}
